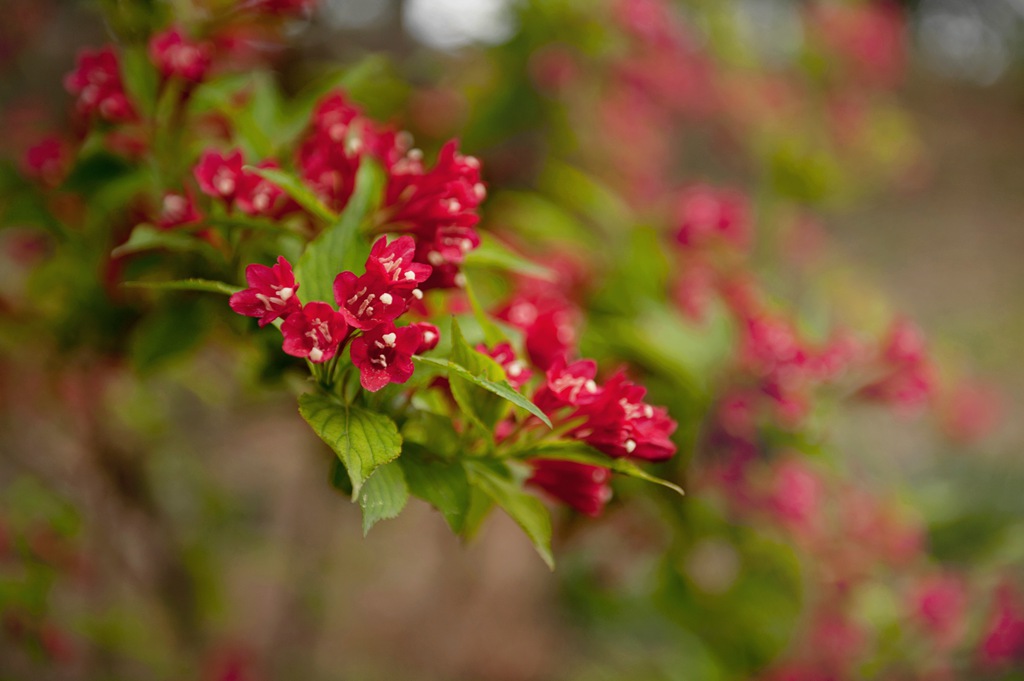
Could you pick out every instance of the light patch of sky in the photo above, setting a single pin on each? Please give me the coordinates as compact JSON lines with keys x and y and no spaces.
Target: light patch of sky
{"x":355,"y":14}
{"x":771,"y":28}
{"x":451,"y":24}
{"x":967,"y":40}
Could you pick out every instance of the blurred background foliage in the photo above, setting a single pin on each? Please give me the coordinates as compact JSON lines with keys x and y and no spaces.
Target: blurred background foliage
{"x":164,"y":514}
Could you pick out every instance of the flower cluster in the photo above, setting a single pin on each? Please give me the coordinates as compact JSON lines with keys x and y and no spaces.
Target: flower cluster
{"x":223,"y":177}
{"x":437,"y":206}
{"x":365,"y":313}
{"x":96,"y":82}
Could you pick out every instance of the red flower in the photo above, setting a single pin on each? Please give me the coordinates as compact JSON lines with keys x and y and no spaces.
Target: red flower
{"x":429,"y":336}
{"x":329,"y":157}
{"x":257,"y":196}
{"x":219,"y":176}
{"x":939,"y":602}
{"x":178,"y":209}
{"x":549,"y":321}
{"x":1004,"y":634}
{"x":315,"y":332}
{"x":96,"y":81}
{"x":384,"y":353}
{"x":621,"y":424}
{"x":516,"y":372}
{"x":582,"y":486}
{"x":271,"y":292}
{"x":281,"y":7}
{"x":394,"y":262}
{"x":174,"y":55}
{"x":568,"y":385}
{"x":367,"y":301}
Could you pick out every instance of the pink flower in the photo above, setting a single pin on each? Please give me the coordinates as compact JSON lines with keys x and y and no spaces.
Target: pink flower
{"x":271,"y":293}
{"x":1003,"y":641}
{"x":706,"y":214}
{"x":367,"y":301}
{"x":384,"y":353}
{"x":939,"y":602}
{"x":796,"y":496}
{"x":174,"y":55}
{"x":315,"y":332}
{"x":219,"y":176}
{"x":429,"y":336}
{"x":582,"y":486}
{"x":515,"y":370}
{"x":96,"y":81}
{"x":47,"y":160}
{"x":394,"y":262}
{"x":178,"y":209}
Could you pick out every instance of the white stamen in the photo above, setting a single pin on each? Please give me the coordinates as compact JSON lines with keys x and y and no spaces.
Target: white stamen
{"x":435,"y":258}
{"x":630,"y":446}
{"x":514,"y":369}
{"x":286,"y":293}
{"x":316,"y":354}
{"x":590,"y":386}
{"x":429,"y":336}
{"x":417,"y":294}
{"x":480,"y":191}
{"x":648,"y":411}
{"x":389,"y":339}
{"x":386,"y":298}
{"x":410,"y":275}
{"x":460,"y":280}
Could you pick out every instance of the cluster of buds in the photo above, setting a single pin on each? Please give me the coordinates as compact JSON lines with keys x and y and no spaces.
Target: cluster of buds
{"x":367,"y":307}
{"x":96,"y":82}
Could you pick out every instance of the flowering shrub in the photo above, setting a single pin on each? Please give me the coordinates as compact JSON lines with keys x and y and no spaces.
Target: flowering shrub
{"x":541,"y":327}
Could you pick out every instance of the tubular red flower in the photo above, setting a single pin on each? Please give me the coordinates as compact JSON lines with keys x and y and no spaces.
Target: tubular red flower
{"x":315,"y":332}
{"x":367,"y":301}
{"x":271,"y":293}
{"x":174,"y":55}
{"x":178,"y":209}
{"x":96,"y":81}
{"x":622,"y":425}
{"x":383,"y":354}
{"x":429,"y":336}
{"x":395,"y":265}
{"x":583,"y":486}
{"x":219,"y":176}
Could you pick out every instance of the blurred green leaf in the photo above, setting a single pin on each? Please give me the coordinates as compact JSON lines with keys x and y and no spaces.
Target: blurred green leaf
{"x":442,"y":484}
{"x":186,"y":285}
{"x":168,"y":332}
{"x":363,"y":440}
{"x":147,"y":237}
{"x":527,"y":510}
{"x":493,"y":254}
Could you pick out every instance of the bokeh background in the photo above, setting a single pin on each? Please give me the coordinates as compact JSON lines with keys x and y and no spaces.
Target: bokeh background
{"x":288,"y":588}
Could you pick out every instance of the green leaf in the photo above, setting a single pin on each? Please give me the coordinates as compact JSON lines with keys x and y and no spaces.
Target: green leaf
{"x":295,"y":188}
{"x":584,"y":453}
{"x":501,"y":388}
{"x":341,"y":246}
{"x":527,"y":510}
{"x":147,"y":237}
{"x":363,"y":440}
{"x":493,"y":254}
{"x":384,"y":495}
{"x":186,"y":285}
{"x":442,"y":484}
{"x":140,"y":78}
{"x":483,"y":406}
{"x":169,"y":332}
